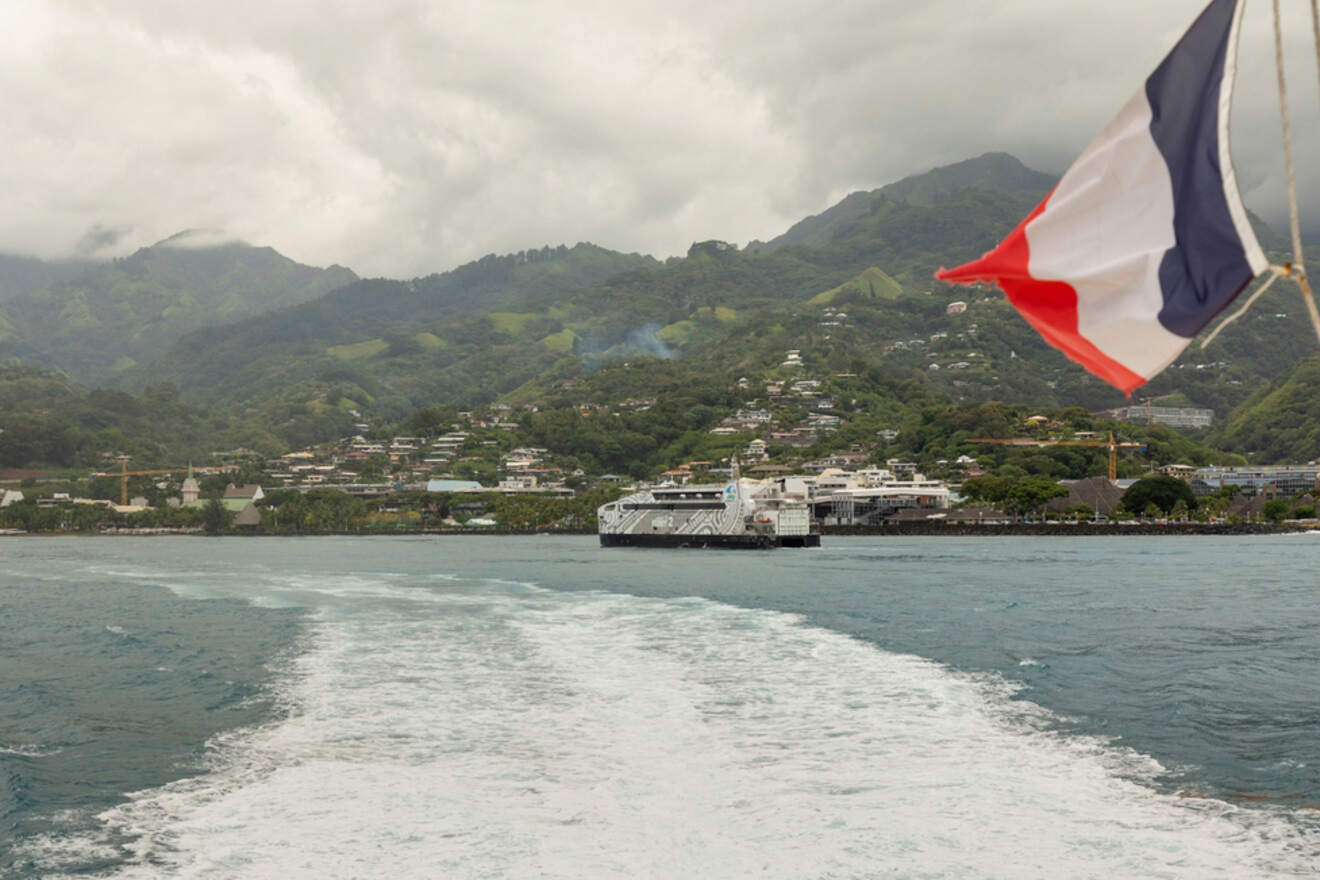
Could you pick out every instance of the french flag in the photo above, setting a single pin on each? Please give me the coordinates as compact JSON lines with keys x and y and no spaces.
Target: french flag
{"x":1145,"y":238}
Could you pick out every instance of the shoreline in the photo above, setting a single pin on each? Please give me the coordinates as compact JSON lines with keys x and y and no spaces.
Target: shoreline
{"x":962,"y":530}
{"x":907,"y":529}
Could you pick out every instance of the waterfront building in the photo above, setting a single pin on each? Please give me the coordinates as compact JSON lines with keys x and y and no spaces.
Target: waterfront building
{"x":1286,"y":479}
{"x":840,"y":497}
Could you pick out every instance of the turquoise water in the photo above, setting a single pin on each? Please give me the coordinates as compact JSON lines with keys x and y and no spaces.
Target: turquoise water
{"x":490,"y":707}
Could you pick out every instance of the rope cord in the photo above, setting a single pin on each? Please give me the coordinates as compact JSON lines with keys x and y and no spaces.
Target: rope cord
{"x":1293,"y":221}
{"x":1298,"y":268}
{"x":1315,"y":28}
{"x":1276,"y":273}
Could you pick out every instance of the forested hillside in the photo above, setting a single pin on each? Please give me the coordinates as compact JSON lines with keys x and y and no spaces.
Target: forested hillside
{"x":111,"y":316}
{"x":1280,"y":422}
{"x":851,"y":289}
{"x":496,"y":325}
{"x":20,"y":275}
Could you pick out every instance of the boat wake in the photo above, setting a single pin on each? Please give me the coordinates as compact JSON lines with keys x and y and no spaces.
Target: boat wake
{"x":461,"y":728}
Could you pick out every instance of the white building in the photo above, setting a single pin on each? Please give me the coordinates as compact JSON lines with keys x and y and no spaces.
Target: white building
{"x":839,"y":497}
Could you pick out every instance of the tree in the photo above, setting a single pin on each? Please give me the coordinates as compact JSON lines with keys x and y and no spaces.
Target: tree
{"x":89,"y":517}
{"x":1081,"y":512}
{"x":1029,"y":493}
{"x":1275,"y":510}
{"x":216,"y":517}
{"x":1161,"y":491}
{"x":988,"y":489}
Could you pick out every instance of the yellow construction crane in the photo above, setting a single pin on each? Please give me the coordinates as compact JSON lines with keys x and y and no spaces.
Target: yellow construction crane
{"x":124,"y":473}
{"x":1109,"y":444}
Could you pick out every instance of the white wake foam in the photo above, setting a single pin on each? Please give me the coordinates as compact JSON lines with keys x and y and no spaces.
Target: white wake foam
{"x":483,"y":732}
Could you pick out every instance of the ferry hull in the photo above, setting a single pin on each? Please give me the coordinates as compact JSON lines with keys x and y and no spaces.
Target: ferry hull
{"x":727,"y":542}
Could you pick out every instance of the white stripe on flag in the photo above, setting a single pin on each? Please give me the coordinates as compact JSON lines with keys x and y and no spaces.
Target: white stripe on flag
{"x":1104,"y":231}
{"x":1250,"y":246}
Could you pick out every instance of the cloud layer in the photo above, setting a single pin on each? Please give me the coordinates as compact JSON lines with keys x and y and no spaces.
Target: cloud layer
{"x":402,"y":137}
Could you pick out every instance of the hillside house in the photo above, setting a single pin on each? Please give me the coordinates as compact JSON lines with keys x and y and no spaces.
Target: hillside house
{"x":518,"y":484}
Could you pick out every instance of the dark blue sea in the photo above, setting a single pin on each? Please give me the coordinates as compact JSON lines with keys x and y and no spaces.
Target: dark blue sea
{"x":489,"y":707}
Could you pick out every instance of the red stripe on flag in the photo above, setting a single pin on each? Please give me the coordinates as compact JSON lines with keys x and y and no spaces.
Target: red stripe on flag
{"x":1049,"y":306}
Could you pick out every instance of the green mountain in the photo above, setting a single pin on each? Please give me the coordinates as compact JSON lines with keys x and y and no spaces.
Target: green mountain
{"x":20,"y":275}
{"x":111,"y":316}
{"x":666,"y":349}
{"x":1281,"y":421}
{"x":997,"y":173}
{"x":851,"y":290}
{"x":527,"y":320}
{"x":486,"y":328}
{"x":467,"y":334}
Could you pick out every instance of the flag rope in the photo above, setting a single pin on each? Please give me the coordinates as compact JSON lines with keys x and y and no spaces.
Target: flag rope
{"x":1297,"y":270}
{"x":1276,"y":272}
{"x":1315,"y":28}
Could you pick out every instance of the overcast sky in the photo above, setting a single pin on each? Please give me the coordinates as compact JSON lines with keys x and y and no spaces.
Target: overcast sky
{"x":402,"y":137}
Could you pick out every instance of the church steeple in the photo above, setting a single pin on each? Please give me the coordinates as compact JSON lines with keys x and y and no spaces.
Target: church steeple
{"x":191,"y":489}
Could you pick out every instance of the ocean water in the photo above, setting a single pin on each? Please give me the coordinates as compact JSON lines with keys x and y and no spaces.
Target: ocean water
{"x":541,"y":707}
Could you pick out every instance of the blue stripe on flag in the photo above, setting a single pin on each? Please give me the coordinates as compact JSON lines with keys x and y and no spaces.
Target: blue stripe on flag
{"x":1207,"y":266}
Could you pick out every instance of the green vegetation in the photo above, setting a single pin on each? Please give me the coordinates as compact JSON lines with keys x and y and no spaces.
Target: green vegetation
{"x":872,"y":284}
{"x":215,"y":517}
{"x":47,"y":421}
{"x":1280,"y":422}
{"x":429,"y":341}
{"x":584,"y":330}
{"x":99,"y":322}
{"x":562,"y":342}
{"x":1017,"y":492}
{"x":1162,"y":493}
{"x":359,"y":351}
{"x":1275,"y":509}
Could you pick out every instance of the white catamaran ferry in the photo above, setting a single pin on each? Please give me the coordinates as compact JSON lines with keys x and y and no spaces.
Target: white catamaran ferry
{"x":741,"y":513}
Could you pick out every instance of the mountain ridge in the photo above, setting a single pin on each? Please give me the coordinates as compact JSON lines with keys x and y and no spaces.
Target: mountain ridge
{"x":489,"y":327}
{"x":520,"y":325}
{"x":112,"y":315}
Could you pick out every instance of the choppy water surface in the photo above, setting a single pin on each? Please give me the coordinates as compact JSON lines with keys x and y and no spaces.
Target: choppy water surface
{"x":492,"y":707}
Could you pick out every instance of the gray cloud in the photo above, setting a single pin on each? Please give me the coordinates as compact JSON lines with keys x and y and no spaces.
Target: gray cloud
{"x":401,"y":137}
{"x":99,"y":238}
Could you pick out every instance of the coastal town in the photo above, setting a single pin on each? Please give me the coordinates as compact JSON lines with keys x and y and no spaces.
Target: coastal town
{"x":478,"y":473}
